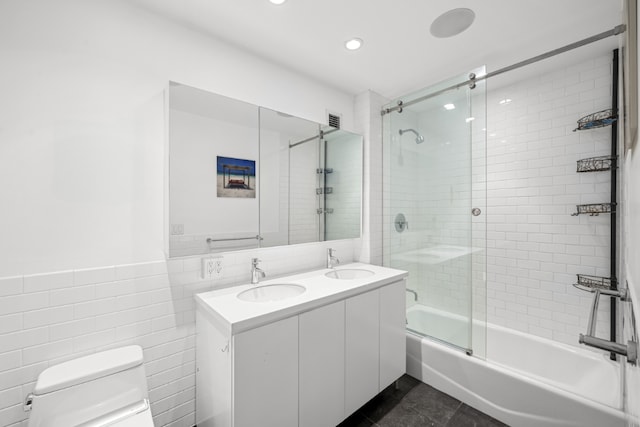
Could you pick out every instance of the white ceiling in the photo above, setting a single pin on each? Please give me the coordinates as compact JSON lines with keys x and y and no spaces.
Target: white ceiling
{"x":399,"y":53}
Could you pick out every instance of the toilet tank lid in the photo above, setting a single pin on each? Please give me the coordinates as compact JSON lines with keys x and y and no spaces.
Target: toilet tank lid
{"x":88,"y":368}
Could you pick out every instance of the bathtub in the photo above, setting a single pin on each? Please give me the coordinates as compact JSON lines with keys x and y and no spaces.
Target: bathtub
{"x":525,"y":380}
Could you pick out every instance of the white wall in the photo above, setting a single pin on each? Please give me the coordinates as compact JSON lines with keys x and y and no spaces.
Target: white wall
{"x":630,"y":251}
{"x":274,"y":187}
{"x":196,"y":142}
{"x":346,"y":182}
{"x":631,"y":267}
{"x":304,"y":221}
{"x":82,"y":125}
{"x":82,"y":160}
{"x":369,"y":124}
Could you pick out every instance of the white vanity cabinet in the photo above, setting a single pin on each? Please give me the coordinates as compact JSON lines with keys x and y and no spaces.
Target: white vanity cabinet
{"x":393,"y":334}
{"x":362,"y":350}
{"x":265,"y":375}
{"x":322,"y":366}
{"x":376,"y":340}
{"x":249,"y":379}
{"x":310,"y":369}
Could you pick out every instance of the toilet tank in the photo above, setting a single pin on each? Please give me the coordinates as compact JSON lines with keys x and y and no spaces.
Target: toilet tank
{"x":83,"y":389}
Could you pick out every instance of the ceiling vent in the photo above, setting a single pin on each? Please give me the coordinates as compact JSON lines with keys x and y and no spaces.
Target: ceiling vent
{"x":334,"y":120}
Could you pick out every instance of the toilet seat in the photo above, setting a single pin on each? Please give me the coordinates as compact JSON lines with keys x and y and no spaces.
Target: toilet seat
{"x":142,"y":419}
{"x":136,"y":415}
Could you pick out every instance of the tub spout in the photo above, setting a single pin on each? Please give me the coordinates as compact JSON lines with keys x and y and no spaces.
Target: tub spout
{"x":415,"y":294}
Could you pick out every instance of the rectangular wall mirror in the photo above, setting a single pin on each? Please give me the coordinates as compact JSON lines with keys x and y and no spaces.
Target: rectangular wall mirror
{"x":243,"y":176}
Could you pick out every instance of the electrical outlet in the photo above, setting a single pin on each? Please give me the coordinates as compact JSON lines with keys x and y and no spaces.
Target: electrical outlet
{"x":217,"y":268}
{"x":212,"y":267}
{"x":177,"y":229}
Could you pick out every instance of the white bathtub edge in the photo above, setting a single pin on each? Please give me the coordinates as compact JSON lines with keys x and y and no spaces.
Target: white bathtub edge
{"x":421,"y":370}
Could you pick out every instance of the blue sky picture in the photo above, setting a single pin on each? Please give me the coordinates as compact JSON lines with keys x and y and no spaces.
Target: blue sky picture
{"x":251,"y":164}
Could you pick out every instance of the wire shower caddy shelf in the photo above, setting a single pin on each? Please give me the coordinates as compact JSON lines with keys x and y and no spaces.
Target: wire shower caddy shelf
{"x":595,"y":164}
{"x":596,"y":120}
{"x":594,"y":209}
{"x":590,"y":283}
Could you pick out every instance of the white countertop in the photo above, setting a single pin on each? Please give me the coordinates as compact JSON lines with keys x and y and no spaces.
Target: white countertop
{"x":233,"y":315}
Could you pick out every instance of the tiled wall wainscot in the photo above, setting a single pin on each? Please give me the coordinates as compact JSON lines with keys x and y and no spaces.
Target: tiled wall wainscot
{"x":46,"y":319}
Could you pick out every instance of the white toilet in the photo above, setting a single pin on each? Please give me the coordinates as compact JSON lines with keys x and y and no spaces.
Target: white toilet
{"x":103,"y":389}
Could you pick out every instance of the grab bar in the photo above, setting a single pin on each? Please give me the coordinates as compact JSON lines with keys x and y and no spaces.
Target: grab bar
{"x":630,"y":351}
{"x":256,"y":237}
{"x":593,"y":315}
{"x":617,"y":293}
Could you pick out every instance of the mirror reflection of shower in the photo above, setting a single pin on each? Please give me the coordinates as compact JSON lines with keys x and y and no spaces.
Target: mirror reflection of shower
{"x":419,"y":138}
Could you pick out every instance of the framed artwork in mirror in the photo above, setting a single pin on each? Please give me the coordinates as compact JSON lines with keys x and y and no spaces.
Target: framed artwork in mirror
{"x":236,"y":177}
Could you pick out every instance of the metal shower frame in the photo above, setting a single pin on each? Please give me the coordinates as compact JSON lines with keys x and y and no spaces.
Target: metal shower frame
{"x":473,"y":78}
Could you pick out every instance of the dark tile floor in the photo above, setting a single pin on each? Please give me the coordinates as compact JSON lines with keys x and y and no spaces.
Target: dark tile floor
{"x":415,"y":404}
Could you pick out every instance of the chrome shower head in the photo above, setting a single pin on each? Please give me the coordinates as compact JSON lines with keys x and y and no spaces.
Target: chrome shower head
{"x":419,"y":138}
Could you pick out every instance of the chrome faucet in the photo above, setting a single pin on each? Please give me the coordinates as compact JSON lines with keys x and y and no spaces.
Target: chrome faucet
{"x":256,"y":272}
{"x":332,"y":261}
{"x":415,"y":294}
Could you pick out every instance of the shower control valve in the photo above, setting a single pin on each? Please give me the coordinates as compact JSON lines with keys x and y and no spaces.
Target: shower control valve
{"x":401,"y":223}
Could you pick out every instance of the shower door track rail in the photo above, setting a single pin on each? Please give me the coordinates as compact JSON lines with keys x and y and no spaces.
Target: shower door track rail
{"x":467,"y":351}
{"x":619,"y":29}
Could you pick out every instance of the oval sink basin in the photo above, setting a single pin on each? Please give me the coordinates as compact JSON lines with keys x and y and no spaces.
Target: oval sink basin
{"x":349,"y":274}
{"x":268,"y":293}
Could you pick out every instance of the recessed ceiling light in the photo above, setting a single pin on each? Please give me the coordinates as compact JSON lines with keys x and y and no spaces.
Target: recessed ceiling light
{"x":449,"y":106}
{"x":505,"y":101}
{"x":452,"y":23}
{"x":469,"y":119}
{"x":353,"y":44}
{"x":277,"y":1}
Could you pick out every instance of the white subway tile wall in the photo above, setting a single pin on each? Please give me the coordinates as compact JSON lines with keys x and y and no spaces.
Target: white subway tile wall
{"x":535,"y":247}
{"x":50,"y":318}
{"x":344,"y":181}
{"x":304,"y":221}
{"x":369,"y":124}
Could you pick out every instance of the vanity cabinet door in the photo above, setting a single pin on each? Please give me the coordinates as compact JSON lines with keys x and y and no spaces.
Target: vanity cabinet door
{"x":265,"y":367}
{"x":362,"y":350}
{"x":213,"y":374}
{"x":393,"y":336}
{"x":321,"y":373}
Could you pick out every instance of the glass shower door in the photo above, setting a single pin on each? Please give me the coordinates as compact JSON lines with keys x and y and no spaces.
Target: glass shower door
{"x":434,"y":159}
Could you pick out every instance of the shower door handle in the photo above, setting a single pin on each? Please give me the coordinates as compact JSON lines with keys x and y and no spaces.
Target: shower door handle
{"x":476,"y":211}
